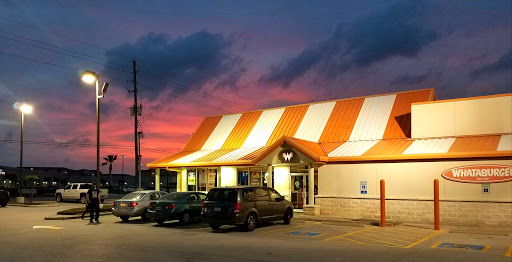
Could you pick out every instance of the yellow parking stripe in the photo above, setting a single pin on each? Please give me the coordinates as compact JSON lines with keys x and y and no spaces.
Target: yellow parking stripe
{"x":283,"y":229}
{"x":423,"y":239}
{"x":408,"y":232}
{"x":349,"y":233}
{"x":384,"y":232}
{"x":372,"y":239}
{"x":509,"y":252}
{"x":364,"y":243}
{"x":386,"y":237}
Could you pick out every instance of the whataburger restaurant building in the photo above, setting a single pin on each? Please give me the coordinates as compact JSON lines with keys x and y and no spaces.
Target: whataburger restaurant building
{"x":328,"y":158}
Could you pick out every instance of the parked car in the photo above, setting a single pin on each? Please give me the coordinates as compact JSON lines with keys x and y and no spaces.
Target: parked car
{"x":129,"y":189}
{"x":245,"y":206}
{"x":77,"y":192}
{"x":135,"y":204}
{"x":183,"y":206}
{"x":4,"y":198}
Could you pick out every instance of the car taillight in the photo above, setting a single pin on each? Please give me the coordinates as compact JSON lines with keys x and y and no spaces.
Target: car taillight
{"x":133,"y":204}
{"x":149,"y":206}
{"x":237,"y":207}
{"x":202,"y":206}
{"x":170,"y":206}
{"x":114,"y":204}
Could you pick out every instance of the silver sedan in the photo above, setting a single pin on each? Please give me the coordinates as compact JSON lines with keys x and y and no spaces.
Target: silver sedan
{"x":135,"y":204}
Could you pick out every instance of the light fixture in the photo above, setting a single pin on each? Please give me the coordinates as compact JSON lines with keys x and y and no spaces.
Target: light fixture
{"x":25,"y":108}
{"x":89,"y":76}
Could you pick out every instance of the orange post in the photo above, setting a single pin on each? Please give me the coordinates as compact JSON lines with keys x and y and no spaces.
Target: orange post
{"x":382,"y":203}
{"x":436,"y":205}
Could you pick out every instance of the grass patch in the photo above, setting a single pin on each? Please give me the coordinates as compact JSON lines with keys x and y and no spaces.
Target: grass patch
{"x":80,"y":210}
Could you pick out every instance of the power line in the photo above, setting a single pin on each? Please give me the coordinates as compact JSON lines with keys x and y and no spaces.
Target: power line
{"x":55,"y":34}
{"x":58,"y":47}
{"x":59,"y":52}
{"x":32,"y":142}
{"x":76,"y":69}
{"x":118,"y":66}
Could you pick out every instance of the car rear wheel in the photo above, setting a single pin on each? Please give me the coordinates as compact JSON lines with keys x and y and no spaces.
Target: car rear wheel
{"x":215,"y":226}
{"x":160,"y":221}
{"x":3,"y":205}
{"x":58,"y":198}
{"x":185,"y":218}
{"x":124,"y":218}
{"x":83,"y":199}
{"x":145,"y":215}
{"x":250,"y":222}
{"x":287,"y":216}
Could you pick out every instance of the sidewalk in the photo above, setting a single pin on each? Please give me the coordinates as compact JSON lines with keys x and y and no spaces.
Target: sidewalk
{"x":340,"y":221}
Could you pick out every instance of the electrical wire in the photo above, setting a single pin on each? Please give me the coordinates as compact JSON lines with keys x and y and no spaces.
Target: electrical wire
{"x":53,"y":143}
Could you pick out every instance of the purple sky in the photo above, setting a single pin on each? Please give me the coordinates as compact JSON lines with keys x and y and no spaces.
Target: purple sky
{"x":200,"y":58}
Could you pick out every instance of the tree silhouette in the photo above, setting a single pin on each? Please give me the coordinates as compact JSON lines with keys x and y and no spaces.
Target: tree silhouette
{"x":109,"y":160}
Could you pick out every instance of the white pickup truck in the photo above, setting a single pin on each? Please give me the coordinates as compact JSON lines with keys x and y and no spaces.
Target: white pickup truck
{"x":77,"y":192}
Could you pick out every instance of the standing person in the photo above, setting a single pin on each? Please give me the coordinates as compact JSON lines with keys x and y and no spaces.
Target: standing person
{"x":93,"y":201}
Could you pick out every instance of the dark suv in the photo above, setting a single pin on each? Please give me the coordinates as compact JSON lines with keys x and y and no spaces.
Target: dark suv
{"x":245,"y":206}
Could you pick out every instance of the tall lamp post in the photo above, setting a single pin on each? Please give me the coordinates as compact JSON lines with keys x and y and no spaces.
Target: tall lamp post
{"x":91,"y":77}
{"x":122,"y":172}
{"x":25,"y":109}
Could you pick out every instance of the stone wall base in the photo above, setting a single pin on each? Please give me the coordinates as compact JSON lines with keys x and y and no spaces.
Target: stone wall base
{"x":419,"y":211}
{"x":311,"y":210}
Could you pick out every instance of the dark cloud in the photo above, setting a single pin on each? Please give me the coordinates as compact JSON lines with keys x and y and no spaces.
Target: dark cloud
{"x":398,"y":31}
{"x":189,"y":61}
{"x":411,"y":80}
{"x":504,"y":64}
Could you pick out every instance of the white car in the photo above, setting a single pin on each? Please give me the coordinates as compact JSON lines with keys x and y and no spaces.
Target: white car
{"x":77,"y":192}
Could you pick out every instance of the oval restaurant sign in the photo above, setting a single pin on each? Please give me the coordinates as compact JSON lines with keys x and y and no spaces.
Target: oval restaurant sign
{"x":479,"y":174}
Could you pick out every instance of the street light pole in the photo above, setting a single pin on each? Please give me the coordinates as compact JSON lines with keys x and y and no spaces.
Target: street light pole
{"x":24,"y":108}
{"x":98,"y":131}
{"x":90,"y":77}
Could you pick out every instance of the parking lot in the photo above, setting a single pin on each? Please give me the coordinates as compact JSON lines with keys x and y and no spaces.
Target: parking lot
{"x":77,"y":240}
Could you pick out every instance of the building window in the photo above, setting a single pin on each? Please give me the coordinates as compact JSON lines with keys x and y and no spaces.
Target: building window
{"x":243,"y":176}
{"x":212,"y":178}
{"x":191,"y":179}
{"x":202,"y":176}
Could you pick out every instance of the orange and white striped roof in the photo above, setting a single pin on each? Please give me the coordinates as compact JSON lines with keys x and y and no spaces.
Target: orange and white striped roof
{"x":348,"y":129}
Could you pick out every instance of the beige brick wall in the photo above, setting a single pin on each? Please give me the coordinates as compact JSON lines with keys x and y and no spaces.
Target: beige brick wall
{"x":417,"y":211}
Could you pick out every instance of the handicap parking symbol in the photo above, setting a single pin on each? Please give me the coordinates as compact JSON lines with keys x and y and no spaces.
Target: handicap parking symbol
{"x":299,"y":233}
{"x":463,"y":246}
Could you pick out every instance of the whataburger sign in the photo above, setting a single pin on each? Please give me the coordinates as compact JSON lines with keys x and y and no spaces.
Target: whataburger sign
{"x":479,"y":174}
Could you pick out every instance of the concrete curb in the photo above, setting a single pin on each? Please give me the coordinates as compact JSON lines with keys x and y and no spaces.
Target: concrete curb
{"x":28,"y":205}
{"x":65,"y":217}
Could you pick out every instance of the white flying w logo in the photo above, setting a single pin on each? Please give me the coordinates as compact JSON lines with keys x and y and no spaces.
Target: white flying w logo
{"x":288,"y":156}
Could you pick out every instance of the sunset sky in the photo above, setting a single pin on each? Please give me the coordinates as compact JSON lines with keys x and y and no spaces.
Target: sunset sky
{"x":201,"y":58}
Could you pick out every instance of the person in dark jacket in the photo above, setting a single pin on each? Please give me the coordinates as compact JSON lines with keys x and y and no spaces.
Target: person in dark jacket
{"x":93,"y":202}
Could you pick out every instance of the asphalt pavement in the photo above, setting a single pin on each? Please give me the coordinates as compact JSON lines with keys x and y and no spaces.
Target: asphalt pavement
{"x":26,"y":236}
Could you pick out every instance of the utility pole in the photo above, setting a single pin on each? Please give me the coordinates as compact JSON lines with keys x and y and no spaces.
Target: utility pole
{"x":136,"y":112}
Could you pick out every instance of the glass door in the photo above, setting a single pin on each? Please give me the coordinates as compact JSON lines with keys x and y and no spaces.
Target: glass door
{"x":299,"y":186}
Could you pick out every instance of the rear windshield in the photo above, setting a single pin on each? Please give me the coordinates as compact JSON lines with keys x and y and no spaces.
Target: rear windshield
{"x":134,"y":196}
{"x":221,"y":195}
{"x":172,"y":196}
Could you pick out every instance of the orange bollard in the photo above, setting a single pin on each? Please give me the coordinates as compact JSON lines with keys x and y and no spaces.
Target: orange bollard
{"x":382,"y":203}
{"x":436,"y":205}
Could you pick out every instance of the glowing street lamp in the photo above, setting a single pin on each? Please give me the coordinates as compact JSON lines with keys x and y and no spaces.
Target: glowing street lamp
{"x":91,"y":77}
{"x":24,"y":109}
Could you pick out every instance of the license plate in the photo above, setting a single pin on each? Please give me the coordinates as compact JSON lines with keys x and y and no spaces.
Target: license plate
{"x":158,"y":208}
{"x":123,"y":205}
{"x":216,"y":209}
